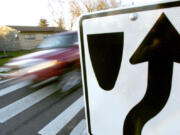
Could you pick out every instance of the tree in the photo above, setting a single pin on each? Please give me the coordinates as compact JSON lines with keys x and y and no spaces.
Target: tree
{"x":57,"y":14}
{"x":43,"y":23}
{"x":70,"y":10}
{"x":61,"y":22}
{"x":8,"y":38}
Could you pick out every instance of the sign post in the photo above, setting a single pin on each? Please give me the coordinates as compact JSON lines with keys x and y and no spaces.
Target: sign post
{"x":130,"y":66}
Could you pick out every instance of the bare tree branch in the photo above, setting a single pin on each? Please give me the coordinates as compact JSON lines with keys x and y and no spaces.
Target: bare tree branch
{"x":61,"y":22}
{"x":75,"y":9}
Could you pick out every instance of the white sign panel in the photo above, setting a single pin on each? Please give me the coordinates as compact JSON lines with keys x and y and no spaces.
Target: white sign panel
{"x":131,"y":72}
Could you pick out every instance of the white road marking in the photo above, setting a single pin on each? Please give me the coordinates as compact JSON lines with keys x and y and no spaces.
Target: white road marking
{"x":60,"y":121}
{"x":85,"y":132}
{"x":4,"y":69}
{"x":80,"y":129}
{"x":44,"y":82}
{"x":17,"y":107}
{"x":4,"y":81}
{"x":14,"y":87}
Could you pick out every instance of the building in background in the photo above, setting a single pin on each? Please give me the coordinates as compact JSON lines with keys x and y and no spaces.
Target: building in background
{"x":24,"y":37}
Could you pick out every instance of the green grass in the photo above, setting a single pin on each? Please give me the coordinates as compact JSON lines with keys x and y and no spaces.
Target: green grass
{"x":12,"y":54}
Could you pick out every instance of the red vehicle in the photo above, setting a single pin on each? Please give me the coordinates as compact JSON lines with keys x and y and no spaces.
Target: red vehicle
{"x":57,"y":54}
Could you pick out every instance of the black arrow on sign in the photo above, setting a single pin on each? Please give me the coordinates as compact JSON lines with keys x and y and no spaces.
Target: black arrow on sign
{"x":160,"y":48}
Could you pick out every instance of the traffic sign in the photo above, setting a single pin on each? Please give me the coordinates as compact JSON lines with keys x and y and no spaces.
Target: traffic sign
{"x":130,"y":67}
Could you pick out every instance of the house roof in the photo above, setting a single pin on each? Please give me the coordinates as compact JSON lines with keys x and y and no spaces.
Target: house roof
{"x":37,"y":29}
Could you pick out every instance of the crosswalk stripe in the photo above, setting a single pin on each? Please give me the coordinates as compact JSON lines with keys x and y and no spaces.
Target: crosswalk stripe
{"x":4,"y":81}
{"x":14,"y":87}
{"x":17,"y":107}
{"x":60,"y":121}
{"x":44,"y":82}
{"x":79,"y":129}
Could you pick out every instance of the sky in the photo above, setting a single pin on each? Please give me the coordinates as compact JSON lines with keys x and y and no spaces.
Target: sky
{"x":23,"y":12}
{"x":29,"y":12}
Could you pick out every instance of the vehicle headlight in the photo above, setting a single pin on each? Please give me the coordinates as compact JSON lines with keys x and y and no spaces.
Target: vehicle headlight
{"x":43,"y":66}
{"x":35,"y":68}
{"x":24,"y":63}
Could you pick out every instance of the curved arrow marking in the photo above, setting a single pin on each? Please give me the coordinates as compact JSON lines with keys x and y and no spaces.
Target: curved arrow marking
{"x":160,"y":48}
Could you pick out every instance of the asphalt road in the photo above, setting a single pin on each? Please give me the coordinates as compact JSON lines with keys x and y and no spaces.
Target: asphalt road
{"x":27,"y":110}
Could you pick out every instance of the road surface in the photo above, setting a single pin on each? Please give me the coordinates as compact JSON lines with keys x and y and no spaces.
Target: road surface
{"x":45,"y":110}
